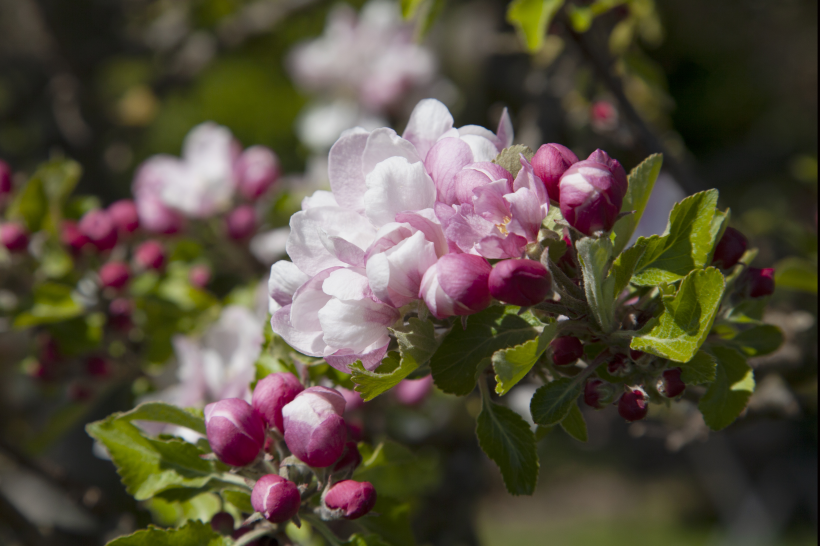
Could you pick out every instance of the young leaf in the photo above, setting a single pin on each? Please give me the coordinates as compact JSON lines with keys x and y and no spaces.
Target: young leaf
{"x":728,"y":395}
{"x":552,"y":402}
{"x":624,"y":267}
{"x":455,"y":363}
{"x":686,"y":320}
{"x":686,"y":246}
{"x":395,"y":471}
{"x":30,"y":205}
{"x":594,"y":255}
{"x":148,"y":466}
{"x":164,"y":413}
{"x":194,"y":533}
{"x":700,"y":370}
{"x":575,"y":425}
{"x":240,"y":499}
{"x":391,"y":521}
{"x":417,"y":339}
{"x":53,"y":302}
{"x":531,"y":18}
{"x":720,"y":222}
{"x":512,"y":364}
{"x":641,"y":181}
{"x":507,"y":439}
{"x":510,"y":158}
{"x":759,"y":340}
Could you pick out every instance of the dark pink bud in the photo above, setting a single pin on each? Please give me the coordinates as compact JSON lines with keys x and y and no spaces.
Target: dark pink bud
{"x":272,"y":394}
{"x":5,"y":179}
{"x":314,"y":429}
{"x":566,"y":350}
{"x":222,"y":523}
{"x":119,"y":313}
{"x":355,"y":429}
{"x":520,"y":282}
{"x":276,"y":498}
{"x":598,"y":394}
{"x":615,"y":167}
{"x":353,"y":400}
{"x":72,"y":237}
{"x":632,"y":405}
{"x":98,"y":226}
{"x":256,"y":170}
{"x":671,"y":385}
{"x":730,"y":248}
{"x":235,"y":431}
{"x":457,"y":285}
{"x":200,"y":276}
{"x":412,"y":392}
{"x":124,"y":215}
{"x":14,"y":237}
{"x":241,"y":222}
{"x":590,"y":197}
{"x":114,"y":275}
{"x":618,"y":366}
{"x":603,"y":115}
{"x":759,"y":282}
{"x":350,"y":459}
{"x":150,"y":255}
{"x":355,"y":498}
{"x":549,"y":163}
{"x":635,"y":355}
{"x":97,"y":366}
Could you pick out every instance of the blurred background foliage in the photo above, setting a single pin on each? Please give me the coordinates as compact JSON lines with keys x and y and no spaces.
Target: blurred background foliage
{"x":728,"y":90}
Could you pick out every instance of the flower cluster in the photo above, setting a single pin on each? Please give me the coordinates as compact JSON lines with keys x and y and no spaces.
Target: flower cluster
{"x":284,"y":416}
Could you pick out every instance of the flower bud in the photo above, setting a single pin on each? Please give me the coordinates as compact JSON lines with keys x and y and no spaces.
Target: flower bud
{"x":124,"y":215}
{"x":615,"y":167}
{"x":353,"y":399}
{"x":590,"y":197}
{"x":256,"y":170}
{"x":671,"y":385}
{"x":72,"y":237}
{"x":355,"y":498}
{"x":633,"y":405}
{"x":603,"y":115}
{"x":758,"y":282}
{"x":456,"y":285}
{"x":119,"y":313}
{"x":549,"y":163}
{"x":97,"y":366}
{"x":618,"y":365}
{"x":730,"y":248}
{"x":241,"y":222}
{"x":199,"y":276}
{"x":235,"y":431}
{"x":222,"y":523}
{"x":314,"y":429}
{"x":150,"y":255}
{"x":114,"y":275}
{"x":635,"y":355}
{"x":276,"y":498}
{"x":98,"y":226}
{"x":412,"y":392}
{"x":14,"y":237}
{"x":520,"y":282}
{"x":598,"y":393}
{"x":272,"y":394}
{"x":350,"y":459}
{"x":566,"y":350}
{"x":5,"y":179}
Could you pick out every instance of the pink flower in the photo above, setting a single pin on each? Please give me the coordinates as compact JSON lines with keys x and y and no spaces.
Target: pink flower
{"x":730,"y":248}
{"x":354,"y":499}
{"x":314,"y":429}
{"x":114,"y":275}
{"x":256,"y":171}
{"x":236,"y":432}
{"x":520,"y":282}
{"x":99,"y":228}
{"x":272,"y":394}
{"x":14,"y":237}
{"x":549,"y":163}
{"x":150,"y":255}
{"x":591,"y":197}
{"x":276,"y":498}
{"x":124,"y":215}
{"x":457,"y":285}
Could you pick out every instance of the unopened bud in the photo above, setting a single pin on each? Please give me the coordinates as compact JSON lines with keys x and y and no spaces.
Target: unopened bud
{"x":200,"y":276}
{"x":5,"y":179}
{"x":235,"y":431}
{"x":150,"y":255}
{"x":98,"y":226}
{"x":566,"y":350}
{"x":222,"y":523}
{"x":124,"y":215}
{"x":671,"y":385}
{"x":114,"y":275}
{"x":354,"y":498}
{"x":314,"y":429}
{"x":353,"y":399}
{"x":757,"y":282}
{"x":350,"y":459}
{"x":520,"y":282}
{"x":457,"y":284}
{"x":14,"y":237}
{"x":272,"y":394}
{"x":97,"y":366}
{"x":241,"y":222}
{"x":615,"y":167}
{"x":412,"y":392}
{"x":590,"y":197}
{"x":72,"y":237}
{"x":257,"y":169}
{"x":598,"y":393}
{"x":549,"y":163}
{"x":276,"y":498}
{"x":618,"y":365}
{"x":633,"y":405}
{"x":730,"y":248}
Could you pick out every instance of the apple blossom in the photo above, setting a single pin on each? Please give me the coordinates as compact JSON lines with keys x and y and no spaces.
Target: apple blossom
{"x":633,"y":405}
{"x":520,"y":282}
{"x":354,"y":499}
{"x":14,"y":237}
{"x":257,"y":169}
{"x":199,"y":275}
{"x":730,"y":248}
{"x":549,"y":163}
{"x":758,"y":282}
{"x":124,"y":215}
{"x":240,"y":223}
{"x":457,"y":285}
{"x":671,"y":385}
{"x":590,"y":197}
{"x":236,"y":432}
{"x":566,"y":350}
{"x":276,"y":498}
{"x":272,"y":393}
{"x":114,"y":275}
{"x":412,"y":392}
{"x":98,"y":226}
{"x":314,"y":429}
{"x":72,"y":237}
{"x":150,"y":255}
{"x":598,"y":394}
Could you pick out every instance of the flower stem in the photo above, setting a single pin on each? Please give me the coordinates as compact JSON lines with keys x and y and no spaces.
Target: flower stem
{"x":323,"y":529}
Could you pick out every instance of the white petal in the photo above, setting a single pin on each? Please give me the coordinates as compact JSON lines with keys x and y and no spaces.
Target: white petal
{"x":396,"y":185}
{"x":320,"y":198}
{"x":306,"y":246}
{"x":270,"y":245}
{"x":356,"y":325}
{"x":307,"y":301}
{"x":345,"y":169}
{"x":346,"y":284}
{"x":308,"y":342}
{"x":285,"y":279}
{"x":483,"y":149}
{"x":384,"y":143}
{"x":429,"y":121}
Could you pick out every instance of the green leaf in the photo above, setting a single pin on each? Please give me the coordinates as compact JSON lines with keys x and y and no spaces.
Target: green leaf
{"x":364,"y":540}
{"x":507,"y":439}
{"x":240,"y":499}
{"x":641,"y":182}
{"x":796,"y":274}
{"x":194,"y":533}
{"x":624,"y":267}
{"x":417,"y":339}
{"x":575,"y":425}
{"x":390,"y":520}
{"x":759,"y":340}
{"x":148,"y":466}
{"x":59,"y":178}
{"x":165,"y":413}
{"x":395,"y":471}
{"x":720,"y":221}
{"x":552,"y":402}
{"x":729,"y":394}
{"x":531,"y":18}
{"x":53,"y":302}
{"x":457,"y":360}
{"x":513,"y":364}
{"x":510,"y":158}
{"x":686,"y":320}
{"x":55,"y":261}
{"x":30,"y":205}
{"x":594,"y":255}
{"x":686,"y":245}
{"x":700,"y":370}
